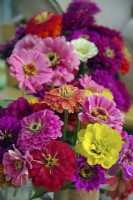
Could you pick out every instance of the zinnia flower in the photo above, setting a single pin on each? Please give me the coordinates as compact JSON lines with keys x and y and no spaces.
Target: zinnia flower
{"x":3,"y":181}
{"x":18,"y":108}
{"x":45,"y":24}
{"x":38,"y":129}
{"x":88,"y":176}
{"x":28,"y":42}
{"x":67,"y":97}
{"x":84,"y":49}
{"x":16,"y":166}
{"x":109,"y":56}
{"x":52,"y":166}
{"x":126,"y":158}
{"x":98,"y":108}
{"x":80,"y":14}
{"x":63,"y":60}
{"x":100,"y":144}
{"x":9,"y":130}
{"x":31,"y":68}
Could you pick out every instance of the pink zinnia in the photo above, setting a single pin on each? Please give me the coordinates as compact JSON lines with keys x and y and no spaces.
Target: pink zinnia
{"x":31,"y":69}
{"x":38,"y":129}
{"x":98,"y":108}
{"x":16,"y":166}
{"x":63,"y":59}
{"x":28,"y":42}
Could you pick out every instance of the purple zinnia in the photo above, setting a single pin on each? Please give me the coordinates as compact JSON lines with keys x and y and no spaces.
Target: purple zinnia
{"x":125,"y":95}
{"x":126,"y":158}
{"x":18,"y":109}
{"x":38,"y":129}
{"x":87,"y":176}
{"x":109,"y":56}
{"x":92,"y":36}
{"x":9,"y":130}
{"x":98,"y":108}
{"x":102,"y":77}
{"x":80,"y":14}
{"x":7,"y":48}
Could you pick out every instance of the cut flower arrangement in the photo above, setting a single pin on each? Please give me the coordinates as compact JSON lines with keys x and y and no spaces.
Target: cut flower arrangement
{"x":70,"y":133}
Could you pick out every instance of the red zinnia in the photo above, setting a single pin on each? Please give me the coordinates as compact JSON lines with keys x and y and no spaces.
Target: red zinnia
{"x":45,"y":24}
{"x":53,"y":166}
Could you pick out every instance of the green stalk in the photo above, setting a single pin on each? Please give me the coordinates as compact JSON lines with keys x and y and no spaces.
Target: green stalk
{"x":76,"y":132}
{"x":65,"y":125}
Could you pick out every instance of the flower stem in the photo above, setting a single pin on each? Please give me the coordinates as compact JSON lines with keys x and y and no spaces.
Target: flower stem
{"x":76,"y":131}
{"x":65,"y":125}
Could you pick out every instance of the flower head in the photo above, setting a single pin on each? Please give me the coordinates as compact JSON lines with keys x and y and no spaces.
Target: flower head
{"x":63,"y":60}
{"x":38,"y":129}
{"x":100,"y":144}
{"x":84,"y":49}
{"x":9,"y":130}
{"x":16,"y":166}
{"x":52,"y":166}
{"x":31,"y":68}
{"x":88,"y":176}
{"x":98,"y":108}
{"x":66,"y":97}
{"x":80,"y":14}
{"x":109,"y":56}
{"x":126,"y":158}
{"x":45,"y":24}
{"x":3,"y":181}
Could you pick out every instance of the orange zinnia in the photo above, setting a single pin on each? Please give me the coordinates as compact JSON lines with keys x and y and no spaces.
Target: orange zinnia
{"x":66,"y":97}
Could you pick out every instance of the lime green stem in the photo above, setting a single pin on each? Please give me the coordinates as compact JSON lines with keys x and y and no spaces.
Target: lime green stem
{"x":23,"y":93}
{"x":65,"y":125}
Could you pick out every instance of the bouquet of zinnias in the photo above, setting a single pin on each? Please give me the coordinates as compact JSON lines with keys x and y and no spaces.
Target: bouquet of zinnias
{"x":70,"y":132}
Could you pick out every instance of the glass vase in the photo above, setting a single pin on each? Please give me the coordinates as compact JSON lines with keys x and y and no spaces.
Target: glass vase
{"x":72,"y":194}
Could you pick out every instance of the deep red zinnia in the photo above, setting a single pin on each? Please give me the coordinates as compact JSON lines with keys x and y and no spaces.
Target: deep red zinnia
{"x":45,"y":24}
{"x":53,"y":166}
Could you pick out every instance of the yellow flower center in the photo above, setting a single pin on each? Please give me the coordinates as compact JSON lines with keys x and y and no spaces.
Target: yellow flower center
{"x":30,"y":69}
{"x":100,"y":112}
{"x":84,"y":36}
{"x":66,"y":91}
{"x":2,"y":136}
{"x":35,"y":127}
{"x":86,"y":172}
{"x":18,"y":165}
{"x":97,"y":147}
{"x":53,"y":57}
{"x":42,"y":17}
{"x":51,"y":161}
{"x":109,"y":52}
{"x":82,"y":50}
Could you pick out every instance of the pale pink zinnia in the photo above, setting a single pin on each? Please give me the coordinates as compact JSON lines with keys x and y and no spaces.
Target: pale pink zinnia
{"x":16,"y":166}
{"x":63,"y":59}
{"x":98,"y":108}
{"x":28,"y":42}
{"x":31,"y":69}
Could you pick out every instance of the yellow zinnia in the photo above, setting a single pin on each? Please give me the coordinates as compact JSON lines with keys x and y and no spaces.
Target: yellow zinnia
{"x":100,"y":144}
{"x":104,"y":92}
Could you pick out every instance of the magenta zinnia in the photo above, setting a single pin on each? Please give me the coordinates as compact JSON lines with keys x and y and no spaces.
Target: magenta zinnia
{"x":98,"y":108}
{"x":38,"y":129}
{"x":31,"y":69}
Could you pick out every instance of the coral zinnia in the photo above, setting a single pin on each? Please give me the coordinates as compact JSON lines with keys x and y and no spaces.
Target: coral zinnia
{"x":98,"y":108}
{"x":100,"y":144}
{"x":31,"y":68}
{"x":9,"y":130}
{"x":45,"y":24}
{"x":64,"y":61}
{"x":67,"y":97}
{"x":52,"y":166}
{"x":88,"y":176}
{"x":38,"y":129}
{"x":16,"y":166}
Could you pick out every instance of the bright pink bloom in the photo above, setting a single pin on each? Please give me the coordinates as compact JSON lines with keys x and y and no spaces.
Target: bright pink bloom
{"x":31,"y":69}
{"x":63,"y":59}
{"x":16,"y":166}
{"x":98,"y":108}
{"x":28,"y":42}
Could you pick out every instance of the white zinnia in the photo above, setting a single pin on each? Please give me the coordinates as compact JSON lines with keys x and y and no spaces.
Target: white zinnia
{"x":84,"y":49}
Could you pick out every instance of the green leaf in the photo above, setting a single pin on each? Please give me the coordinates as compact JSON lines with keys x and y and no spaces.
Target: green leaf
{"x":4,"y":103}
{"x":39,"y":193}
